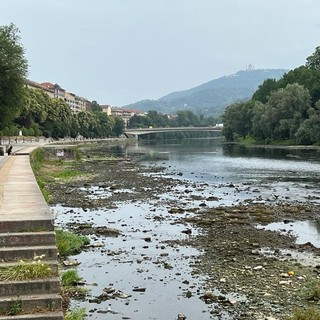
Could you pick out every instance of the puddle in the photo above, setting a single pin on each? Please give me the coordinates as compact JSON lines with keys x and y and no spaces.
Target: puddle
{"x":304,"y":258}
{"x":304,"y":231}
{"x":96,"y":192}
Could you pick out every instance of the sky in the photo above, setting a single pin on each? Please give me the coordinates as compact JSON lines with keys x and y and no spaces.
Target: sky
{"x":118,"y":52}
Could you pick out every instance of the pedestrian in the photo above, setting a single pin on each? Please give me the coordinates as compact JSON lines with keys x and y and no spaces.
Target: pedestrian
{"x":9,"y":150}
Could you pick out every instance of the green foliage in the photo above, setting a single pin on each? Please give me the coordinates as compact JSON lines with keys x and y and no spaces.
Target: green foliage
{"x":118,"y":127}
{"x":69,"y":243}
{"x":13,"y":70}
{"x":15,"y":307}
{"x":305,"y":314}
{"x":26,"y":270}
{"x":36,"y":159}
{"x":313,"y":61}
{"x":283,"y":111}
{"x":66,"y":174}
{"x":70,"y":278}
{"x":184,"y":118}
{"x":95,"y":107}
{"x":78,"y":314}
{"x":311,"y":291}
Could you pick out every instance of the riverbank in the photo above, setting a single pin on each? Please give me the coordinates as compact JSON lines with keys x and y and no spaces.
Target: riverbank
{"x":242,"y":272}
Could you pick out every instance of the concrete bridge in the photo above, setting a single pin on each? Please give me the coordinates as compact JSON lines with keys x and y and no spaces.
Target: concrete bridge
{"x":143,"y":131}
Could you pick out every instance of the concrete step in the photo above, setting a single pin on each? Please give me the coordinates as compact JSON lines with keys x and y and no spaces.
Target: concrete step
{"x":27,"y":253}
{"x":53,"y":264}
{"x":31,"y":303}
{"x":40,"y":316}
{"x":38,"y":286}
{"x":27,"y":238}
{"x":7,"y":226}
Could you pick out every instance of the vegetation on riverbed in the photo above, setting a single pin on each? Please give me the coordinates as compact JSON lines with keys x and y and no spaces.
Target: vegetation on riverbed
{"x":48,"y":167}
{"x":307,"y":314}
{"x":69,"y":243}
{"x":77,"y":314}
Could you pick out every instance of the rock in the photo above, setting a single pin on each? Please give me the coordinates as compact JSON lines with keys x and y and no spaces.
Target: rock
{"x":139,"y":289}
{"x":181,"y":316}
{"x":208,"y":295}
{"x":109,"y":290}
{"x":69,"y":263}
{"x":257,"y":268}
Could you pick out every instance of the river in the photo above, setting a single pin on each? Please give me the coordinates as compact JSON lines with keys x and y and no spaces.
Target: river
{"x":151,"y":278}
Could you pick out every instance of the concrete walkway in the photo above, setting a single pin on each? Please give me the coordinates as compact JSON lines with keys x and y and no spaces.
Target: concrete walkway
{"x":26,"y":231}
{"x":20,"y":196}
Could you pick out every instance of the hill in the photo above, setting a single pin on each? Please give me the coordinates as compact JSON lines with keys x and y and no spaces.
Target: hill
{"x":212,"y":97}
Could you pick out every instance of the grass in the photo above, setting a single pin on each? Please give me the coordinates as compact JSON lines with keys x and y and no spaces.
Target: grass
{"x":70,"y":287}
{"x":27,"y":270}
{"x":305,"y":314}
{"x":311,"y":291}
{"x":77,"y":314}
{"x":14,"y":308}
{"x":47,"y":168}
{"x":69,"y":243}
{"x":66,"y":174}
{"x":70,"y":278}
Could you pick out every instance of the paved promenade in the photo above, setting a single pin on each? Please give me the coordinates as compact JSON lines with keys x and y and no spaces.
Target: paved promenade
{"x":20,"y":196}
{"x":26,"y":232}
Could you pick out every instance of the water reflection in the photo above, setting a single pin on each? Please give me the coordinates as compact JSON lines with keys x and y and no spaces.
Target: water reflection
{"x":304,"y":231}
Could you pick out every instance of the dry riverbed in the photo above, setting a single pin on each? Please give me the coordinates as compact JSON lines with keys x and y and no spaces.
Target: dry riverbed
{"x":246,"y":272}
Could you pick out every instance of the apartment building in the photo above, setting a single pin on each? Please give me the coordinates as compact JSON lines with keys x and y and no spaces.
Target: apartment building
{"x":76,"y":103}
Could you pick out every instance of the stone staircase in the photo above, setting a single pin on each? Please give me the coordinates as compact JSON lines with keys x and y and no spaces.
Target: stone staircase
{"x":30,"y":299}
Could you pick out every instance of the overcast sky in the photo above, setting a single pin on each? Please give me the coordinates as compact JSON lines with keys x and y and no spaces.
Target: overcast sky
{"x":121,"y":51}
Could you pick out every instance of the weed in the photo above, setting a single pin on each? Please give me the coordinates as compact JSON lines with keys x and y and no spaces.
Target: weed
{"x":14,"y":307}
{"x":78,"y":314}
{"x":70,"y":278}
{"x":27,"y":270}
{"x":66,"y":174}
{"x":69,"y":243}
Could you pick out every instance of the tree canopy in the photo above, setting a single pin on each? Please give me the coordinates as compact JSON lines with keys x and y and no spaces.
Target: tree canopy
{"x":13,"y":70}
{"x":287,"y":109}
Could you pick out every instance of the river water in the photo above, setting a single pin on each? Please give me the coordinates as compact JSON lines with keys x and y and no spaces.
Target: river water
{"x":152,"y":278}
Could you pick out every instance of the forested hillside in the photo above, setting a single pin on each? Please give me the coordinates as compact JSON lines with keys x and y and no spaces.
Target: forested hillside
{"x":211,"y":98}
{"x":285,"y":110}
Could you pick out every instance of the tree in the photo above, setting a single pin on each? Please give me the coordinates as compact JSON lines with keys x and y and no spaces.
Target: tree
{"x":264,"y":90}
{"x":118,"y":127}
{"x":95,"y":107}
{"x":309,"y":130}
{"x":237,"y":120}
{"x":13,"y":71}
{"x":313,"y":61}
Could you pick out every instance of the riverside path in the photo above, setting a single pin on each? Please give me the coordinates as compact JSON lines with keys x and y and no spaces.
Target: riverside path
{"x":26,"y":232}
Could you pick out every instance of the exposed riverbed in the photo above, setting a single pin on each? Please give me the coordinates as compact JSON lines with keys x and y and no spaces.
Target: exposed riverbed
{"x":187,"y":244}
